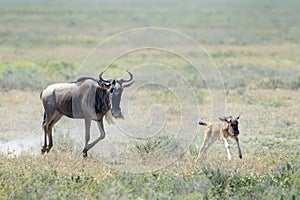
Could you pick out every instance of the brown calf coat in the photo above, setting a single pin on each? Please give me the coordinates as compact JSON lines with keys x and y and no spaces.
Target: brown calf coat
{"x":220,"y":130}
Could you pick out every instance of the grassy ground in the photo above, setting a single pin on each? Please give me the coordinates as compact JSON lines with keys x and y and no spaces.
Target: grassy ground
{"x":64,"y":175}
{"x":256,"y":48}
{"x":270,"y":167}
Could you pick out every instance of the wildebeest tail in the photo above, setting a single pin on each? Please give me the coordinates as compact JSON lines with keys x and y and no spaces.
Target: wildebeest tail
{"x":203,"y":123}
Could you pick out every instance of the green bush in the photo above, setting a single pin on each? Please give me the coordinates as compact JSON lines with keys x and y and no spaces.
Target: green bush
{"x":282,"y":183}
{"x":154,"y":144}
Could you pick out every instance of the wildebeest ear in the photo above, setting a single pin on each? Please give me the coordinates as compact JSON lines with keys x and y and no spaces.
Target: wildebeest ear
{"x":237,"y":117}
{"x":223,"y":119}
{"x":104,"y":85}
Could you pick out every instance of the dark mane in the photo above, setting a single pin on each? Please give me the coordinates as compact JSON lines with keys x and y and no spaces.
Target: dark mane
{"x":102,"y":101}
{"x":82,"y":79}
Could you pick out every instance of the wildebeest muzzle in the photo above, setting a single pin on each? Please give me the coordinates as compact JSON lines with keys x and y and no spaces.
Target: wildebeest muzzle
{"x":116,"y":100}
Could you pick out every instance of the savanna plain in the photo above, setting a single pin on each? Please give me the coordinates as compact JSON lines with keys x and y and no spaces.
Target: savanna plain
{"x":256,"y":48}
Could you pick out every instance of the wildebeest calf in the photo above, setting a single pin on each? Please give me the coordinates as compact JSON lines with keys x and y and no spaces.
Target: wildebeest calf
{"x":220,"y":130}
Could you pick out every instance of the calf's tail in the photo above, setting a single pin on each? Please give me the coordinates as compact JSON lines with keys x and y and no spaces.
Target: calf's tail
{"x":203,"y":123}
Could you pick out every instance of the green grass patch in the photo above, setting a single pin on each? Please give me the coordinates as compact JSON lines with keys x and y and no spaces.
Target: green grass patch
{"x":259,"y":77}
{"x":275,"y":103}
{"x":278,"y":184}
{"x":227,"y":22}
{"x":153,"y":144}
{"x":32,"y":180}
{"x":24,"y":75}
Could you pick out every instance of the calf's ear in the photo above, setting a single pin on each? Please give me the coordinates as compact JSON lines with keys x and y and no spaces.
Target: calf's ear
{"x":223,"y":119}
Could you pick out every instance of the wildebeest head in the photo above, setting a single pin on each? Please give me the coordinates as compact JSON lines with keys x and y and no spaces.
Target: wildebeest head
{"x":232,"y":125}
{"x":116,"y":92}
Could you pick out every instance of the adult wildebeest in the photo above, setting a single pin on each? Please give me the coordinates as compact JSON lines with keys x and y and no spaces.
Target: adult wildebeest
{"x":88,"y":99}
{"x":220,"y":130}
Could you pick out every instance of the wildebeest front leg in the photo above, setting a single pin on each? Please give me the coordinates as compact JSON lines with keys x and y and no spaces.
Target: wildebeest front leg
{"x":227,"y":148}
{"x":239,"y":148}
{"x":102,"y":136}
{"x":87,"y":136}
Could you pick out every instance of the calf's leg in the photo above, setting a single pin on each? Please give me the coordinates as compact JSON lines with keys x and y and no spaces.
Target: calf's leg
{"x":227,"y":148}
{"x":239,"y":148}
{"x":208,"y":141}
{"x":203,"y":148}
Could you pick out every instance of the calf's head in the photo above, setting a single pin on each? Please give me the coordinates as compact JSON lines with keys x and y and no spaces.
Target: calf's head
{"x":231,"y":124}
{"x":116,"y":92}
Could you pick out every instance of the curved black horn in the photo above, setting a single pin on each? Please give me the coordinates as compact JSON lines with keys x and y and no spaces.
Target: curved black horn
{"x":101,"y":79}
{"x":125,"y":81}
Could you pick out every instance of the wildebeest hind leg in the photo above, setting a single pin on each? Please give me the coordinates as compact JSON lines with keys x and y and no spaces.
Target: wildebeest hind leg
{"x":45,"y":128}
{"x":55,"y":119}
{"x":204,"y":146}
